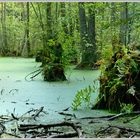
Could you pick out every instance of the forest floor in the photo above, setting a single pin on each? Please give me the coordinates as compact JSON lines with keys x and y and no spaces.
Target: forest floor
{"x":43,"y":109}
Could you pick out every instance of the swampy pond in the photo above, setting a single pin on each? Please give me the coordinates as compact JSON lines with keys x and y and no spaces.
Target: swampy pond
{"x":20,"y":95}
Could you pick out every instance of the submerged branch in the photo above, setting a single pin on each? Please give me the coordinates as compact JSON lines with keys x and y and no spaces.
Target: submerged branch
{"x":34,"y":73}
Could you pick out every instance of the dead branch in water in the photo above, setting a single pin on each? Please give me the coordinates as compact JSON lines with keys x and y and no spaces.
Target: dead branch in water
{"x":64,"y":135}
{"x":37,"y":113}
{"x":122,"y":115}
{"x":34,"y":74}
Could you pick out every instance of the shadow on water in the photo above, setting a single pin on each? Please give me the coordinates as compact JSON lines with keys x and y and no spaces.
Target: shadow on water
{"x":20,"y":95}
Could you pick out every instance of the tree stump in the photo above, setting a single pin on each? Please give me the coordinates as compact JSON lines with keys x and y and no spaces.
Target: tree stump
{"x":54,"y":72}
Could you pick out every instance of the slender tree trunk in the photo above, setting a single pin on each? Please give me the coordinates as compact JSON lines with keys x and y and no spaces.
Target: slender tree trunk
{"x":113,"y":20}
{"x":92,"y":35}
{"x":27,"y":28}
{"x":49,"y":20}
{"x":70,"y":20}
{"x":130,"y":23}
{"x":56,"y":11}
{"x":83,"y":30}
{"x":25,"y":16}
{"x":4,"y":30}
{"x":63,"y":17}
{"x":124,"y":24}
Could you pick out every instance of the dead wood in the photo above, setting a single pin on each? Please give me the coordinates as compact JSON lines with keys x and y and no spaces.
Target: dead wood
{"x":67,"y":114}
{"x":102,"y":131}
{"x":66,"y":109}
{"x":100,"y":117}
{"x":113,"y":117}
{"x":37,"y":113}
{"x":120,"y":128}
{"x":122,"y":115}
{"x":28,"y":112}
{"x":130,"y":119}
{"x":34,"y":73}
{"x":64,"y":135}
{"x":2,"y":129}
{"x":25,"y":127}
{"x":125,"y":129}
{"x":14,"y":117}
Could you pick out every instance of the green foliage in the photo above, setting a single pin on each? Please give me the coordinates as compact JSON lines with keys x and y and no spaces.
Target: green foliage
{"x":126,"y":108}
{"x":131,"y":90}
{"x":83,"y":96}
{"x":51,"y":42}
{"x":119,"y":81}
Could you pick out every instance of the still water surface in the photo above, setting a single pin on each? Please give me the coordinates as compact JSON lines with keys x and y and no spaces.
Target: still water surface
{"x":54,"y":96}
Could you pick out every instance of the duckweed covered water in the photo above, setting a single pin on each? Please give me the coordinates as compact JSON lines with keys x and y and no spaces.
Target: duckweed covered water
{"x":19,"y":95}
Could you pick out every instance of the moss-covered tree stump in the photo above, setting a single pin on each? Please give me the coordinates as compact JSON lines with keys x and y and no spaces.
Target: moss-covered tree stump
{"x":120,"y":82}
{"x":54,"y":72}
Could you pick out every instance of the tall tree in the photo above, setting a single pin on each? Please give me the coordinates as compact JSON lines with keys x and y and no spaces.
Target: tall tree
{"x":91,"y":34}
{"x":25,"y":18}
{"x":49,"y":20}
{"x":4,"y":30}
{"x":63,"y":17}
{"x":87,"y":32}
{"x":124,"y":23}
{"x":27,"y":27}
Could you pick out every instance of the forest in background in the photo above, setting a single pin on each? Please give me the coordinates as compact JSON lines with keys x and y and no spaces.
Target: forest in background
{"x":87,"y":31}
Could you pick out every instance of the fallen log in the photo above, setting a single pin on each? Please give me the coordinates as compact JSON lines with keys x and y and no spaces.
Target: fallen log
{"x":100,"y":117}
{"x":64,"y":135}
{"x":122,"y":115}
{"x":67,"y":114}
{"x":25,"y":127}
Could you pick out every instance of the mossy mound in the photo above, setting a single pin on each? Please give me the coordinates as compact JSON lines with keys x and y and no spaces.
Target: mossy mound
{"x":120,"y":82}
{"x":54,"y":72}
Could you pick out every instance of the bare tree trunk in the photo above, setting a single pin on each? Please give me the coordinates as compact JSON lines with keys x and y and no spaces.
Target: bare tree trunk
{"x":113,"y":20}
{"x":92,"y":35}
{"x":130,"y":23}
{"x":49,"y":20}
{"x":63,"y":17}
{"x":27,"y":28}
{"x":70,"y":20}
{"x":124,"y":24}
{"x":4,"y":30}
{"x":88,"y":44}
{"x":83,"y":29}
